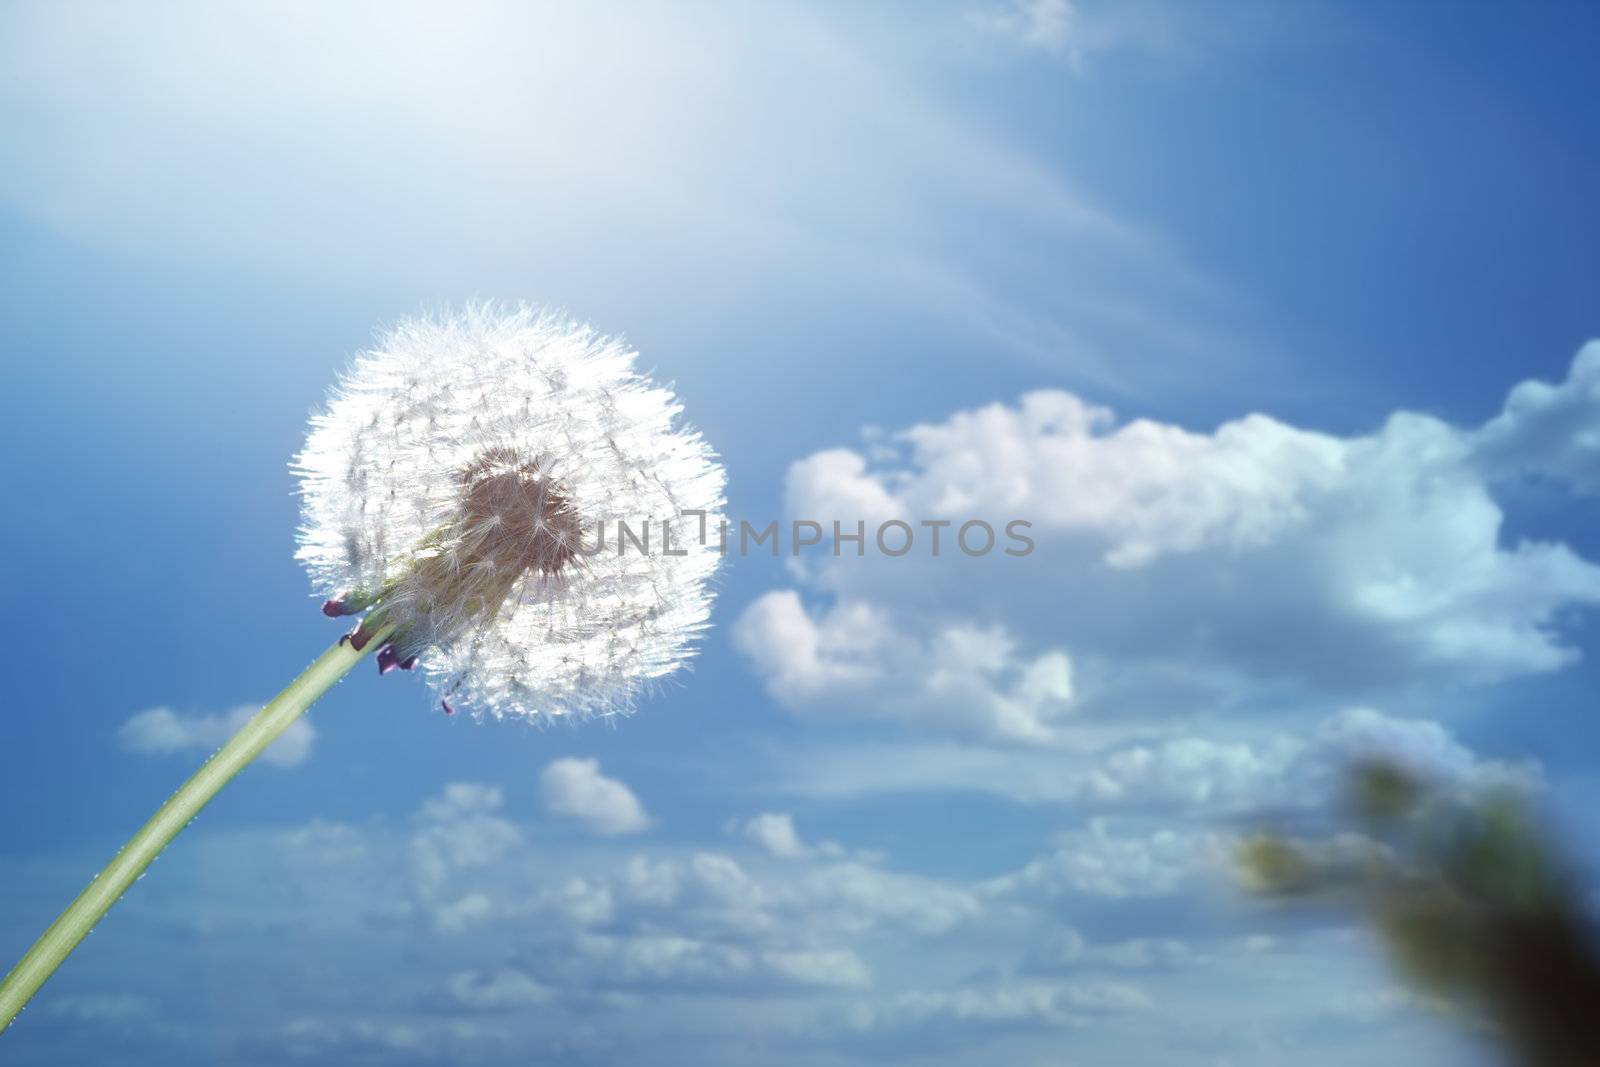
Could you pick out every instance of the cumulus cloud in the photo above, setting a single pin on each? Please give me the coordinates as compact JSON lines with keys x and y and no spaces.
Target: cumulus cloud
{"x":775,"y":832}
{"x":695,"y":920}
{"x":1176,"y":569}
{"x":1103,"y":860}
{"x":620,"y":950}
{"x":575,"y":789}
{"x":855,"y":660}
{"x":504,"y":988}
{"x":822,"y":967}
{"x":1197,"y":774}
{"x":457,"y":832}
{"x":161,"y":731}
{"x":1005,"y":1006}
{"x":837,"y":482}
{"x":1428,"y":749}
{"x":1549,"y":430}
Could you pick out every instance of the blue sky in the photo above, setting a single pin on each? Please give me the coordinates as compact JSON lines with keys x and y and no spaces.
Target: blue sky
{"x":1228,"y":299}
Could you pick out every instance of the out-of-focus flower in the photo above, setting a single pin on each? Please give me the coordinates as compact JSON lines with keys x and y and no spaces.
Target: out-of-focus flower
{"x":458,"y":487}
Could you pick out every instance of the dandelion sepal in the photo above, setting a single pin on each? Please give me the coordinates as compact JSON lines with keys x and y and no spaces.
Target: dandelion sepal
{"x":74,"y":924}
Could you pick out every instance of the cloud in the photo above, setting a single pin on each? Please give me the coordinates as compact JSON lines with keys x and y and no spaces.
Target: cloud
{"x":1043,"y":24}
{"x":1006,"y":1006}
{"x":1219,"y":769}
{"x":839,"y":967}
{"x":1176,"y":33}
{"x":837,"y":481}
{"x":750,"y":174}
{"x":103,"y":1009}
{"x":618,"y":951}
{"x":775,"y":832}
{"x":458,"y":832}
{"x":161,"y":731}
{"x":1258,"y":564}
{"x":342,"y":1039}
{"x":1551,"y":431}
{"x":1281,"y":771}
{"x":1105,"y":861}
{"x":505,"y":988}
{"x":621,"y":921}
{"x":854,"y":660}
{"x":1428,"y":749}
{"x":575,"y":789}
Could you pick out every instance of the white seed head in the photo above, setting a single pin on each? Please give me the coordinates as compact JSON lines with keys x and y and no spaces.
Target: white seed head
{"x":459,"y":484}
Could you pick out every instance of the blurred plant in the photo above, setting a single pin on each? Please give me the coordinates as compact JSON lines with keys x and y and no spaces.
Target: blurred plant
{"x":1472,"y":899}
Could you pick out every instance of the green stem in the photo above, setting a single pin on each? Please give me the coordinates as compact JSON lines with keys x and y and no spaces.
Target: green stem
{"x":143,"y":847}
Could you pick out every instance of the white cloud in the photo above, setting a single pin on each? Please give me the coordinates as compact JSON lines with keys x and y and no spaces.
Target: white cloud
{"x":1256,"y":564}
{"x":775,"y":832}
{"x":343,"y":1037}
{"x":1044,"y":24}
{"x":836,"y":482}
{"x":1143,"y":954}
{"x":1371,"y":1006}
{"x":575,"y":789}
{"x":617,"y":951}
{"x":97,"y":1009}
{"x":505,"y":988}
{"x":650,"y":959}
{"x":160,"y":731}
{"x":320,"y":843}
{"x":822,"y":967}
{"x":1550,"y":430}
{"x":802,"y":658}
{"x":1219,"y":769}
{"x":1203,"y":774}
{"x":457,"y":832}
{"x":854,"y":661}
{"x":1140,"y":490}
{"x":474,"y":909}
{"x":1427,"y":749}
{"x":1171,"y":30}
{"x":180,"y":131}
{"x":1008,"y":1005}
{"x":1101,"y":861}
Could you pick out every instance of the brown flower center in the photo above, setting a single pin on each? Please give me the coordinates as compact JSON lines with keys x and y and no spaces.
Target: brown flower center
{"x":515,"y":518}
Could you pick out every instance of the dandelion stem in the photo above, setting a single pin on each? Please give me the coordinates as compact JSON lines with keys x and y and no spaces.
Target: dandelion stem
{"x":143,"y":847}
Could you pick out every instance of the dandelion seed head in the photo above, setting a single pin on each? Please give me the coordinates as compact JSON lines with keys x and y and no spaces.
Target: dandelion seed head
{"x":462,"y":468}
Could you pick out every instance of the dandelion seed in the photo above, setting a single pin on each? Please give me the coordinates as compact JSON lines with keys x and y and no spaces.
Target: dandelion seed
{"x":446,"y":491}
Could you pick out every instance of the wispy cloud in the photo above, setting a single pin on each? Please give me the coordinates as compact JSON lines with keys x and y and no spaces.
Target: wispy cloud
{"x":1081,"y":31}
{"x":1044,"y":24}
{"x":704,"y":143}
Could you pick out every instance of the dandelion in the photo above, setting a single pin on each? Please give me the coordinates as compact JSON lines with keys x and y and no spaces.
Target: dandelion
{"x":447,"y":491}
